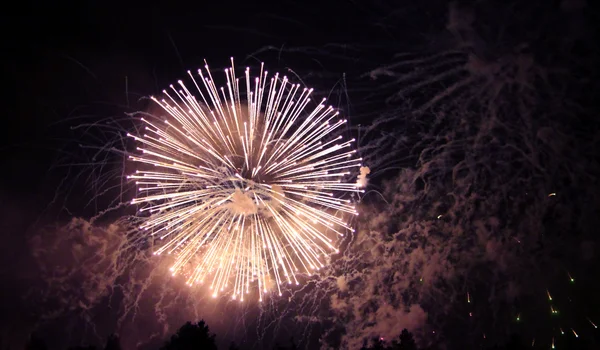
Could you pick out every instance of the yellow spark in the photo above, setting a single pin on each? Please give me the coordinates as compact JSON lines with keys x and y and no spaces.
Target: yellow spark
{"x":574,"y":333}
{"x":552,"y":194}
{"x":468,"y":298}
{"x":244,"y":185}
{"x":571,"y":277}
{"x":549,"y":296}
{"x":592,"y":323}
{"x":553,"y":343}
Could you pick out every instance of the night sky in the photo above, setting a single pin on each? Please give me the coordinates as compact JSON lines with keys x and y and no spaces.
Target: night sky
{"x":478,"y":120}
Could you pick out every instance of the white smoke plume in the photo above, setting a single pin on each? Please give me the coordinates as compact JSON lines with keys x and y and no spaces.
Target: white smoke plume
{"x":362,"y":177}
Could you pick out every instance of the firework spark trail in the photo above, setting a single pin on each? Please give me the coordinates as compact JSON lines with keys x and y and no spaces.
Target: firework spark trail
{"x":463,"y":218}
{"x":252,"y":187}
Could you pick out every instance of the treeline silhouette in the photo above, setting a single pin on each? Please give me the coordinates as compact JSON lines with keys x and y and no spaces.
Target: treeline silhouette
{"x":194,"y":336}
{"x":190,"y":336}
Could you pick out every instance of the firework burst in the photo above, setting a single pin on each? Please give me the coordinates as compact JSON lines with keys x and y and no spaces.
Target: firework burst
{"x":244,"y":188}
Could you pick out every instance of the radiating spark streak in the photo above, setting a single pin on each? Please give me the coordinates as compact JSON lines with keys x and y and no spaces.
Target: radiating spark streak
{"x":244,"y":192}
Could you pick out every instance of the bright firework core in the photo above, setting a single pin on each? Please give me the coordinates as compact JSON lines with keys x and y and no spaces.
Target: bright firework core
{"x":244,"y":187}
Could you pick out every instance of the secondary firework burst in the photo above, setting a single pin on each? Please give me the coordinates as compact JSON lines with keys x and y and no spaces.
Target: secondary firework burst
{"x":245,"y":184}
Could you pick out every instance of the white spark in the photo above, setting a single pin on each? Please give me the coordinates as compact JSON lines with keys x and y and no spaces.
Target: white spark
{"x":244,"y":187}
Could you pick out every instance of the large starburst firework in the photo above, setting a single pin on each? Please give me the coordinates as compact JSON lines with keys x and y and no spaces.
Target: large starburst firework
{"x":244,"y":188}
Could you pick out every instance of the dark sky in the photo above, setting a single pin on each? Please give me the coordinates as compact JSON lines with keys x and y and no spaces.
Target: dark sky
{"x":73,"y":63}
{"x":61,"y":57}
{"x":68,"y":60}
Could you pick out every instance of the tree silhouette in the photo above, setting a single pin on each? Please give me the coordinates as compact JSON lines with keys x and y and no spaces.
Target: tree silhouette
{"x":514,"y":343}
{"x":292,"y":345}
{"x":113,"y":343}
{"x":376,"y":344}
{"x":233,"y":346}
{"x":405,"y":342}
{"x":36,"y":343}
{"x":192,"y":337}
